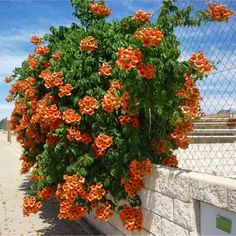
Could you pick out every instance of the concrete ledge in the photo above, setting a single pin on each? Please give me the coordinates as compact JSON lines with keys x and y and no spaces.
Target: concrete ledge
{"x":171,"y":202}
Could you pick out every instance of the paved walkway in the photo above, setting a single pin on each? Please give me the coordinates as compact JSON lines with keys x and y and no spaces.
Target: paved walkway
{"x":12,"y":188}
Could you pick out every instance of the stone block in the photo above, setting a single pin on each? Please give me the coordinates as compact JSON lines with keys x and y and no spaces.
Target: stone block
{"x":109,"y":229}
{"x":209,"y":192}
{"x":151,"y":222}
{"x":169,"y":181}
{"x":153,"y":181}
{"x":168,"y":228}
{"x":146,"y":198}
{"x":162,"y":205}
{"x":175,"y":185}
{"x":184,"y":214}
{"x":232,"y":200}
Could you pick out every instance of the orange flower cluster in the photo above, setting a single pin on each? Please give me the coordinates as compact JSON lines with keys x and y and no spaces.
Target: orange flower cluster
{"x":70,"y":116}
{"x":116,"y":84}
{"x":149,"y":36}
{"x":71,"y":134}
{"x":96,"y":192}
{"x":137,"y":172}
{"x":32,"y":119}
{"x":130,"y":119}
{"x":41,"y":50}
{"x":101,"y":143}
{"x":159,"y":145}
{"x":52,"y":140}
{"x":219,"y":12}
{"x":135,"y":122}
{"x":180,"y":138}
{"x":125,"y":106}
{"x":104,"y":212}
{"x":34,"y":177}
{"x":8,"y":79}
{"x":128,"y":58}
{"x":100,"y":9}
{"x":33,"y":62}
{"x":74,"y":134}
{"x":30,"y":81}
{"x":30,"y":94}
{"x":20,"y":108}
{"x":170,"y":161}
{"x":142,"y":16}
{"x":190,"y":106}
{"x":52,"y":79}
{"x":199,"y":61}
{"x":105,"y":70}
{"x":36,"y":40}
{"x":47,"y":114}
{"x":140,"y":170}
{"x":83,"y":138}
{"x":30,"y":205}
{"x":124,"y":119}
{"x":147,"y":71}
{"x":65,"y":90}
{"x":110,"y":102}
{"x":67,"y":194}
{"x":9,"y":98}
{"x":132,"y":218}
{"x":21,"y":86}
{"x":132,"y":185}
{"x":56,"y":57}
{"x":88,"y":44}
{"x":46,"y":193}
{"x":46,"y":64}
{"x":88,"y":105}
{"x":25,"y":166}
{"x":185,"y":125}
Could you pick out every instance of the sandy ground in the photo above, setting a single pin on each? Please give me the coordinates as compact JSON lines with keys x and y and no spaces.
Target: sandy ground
{"x":13,"y":186}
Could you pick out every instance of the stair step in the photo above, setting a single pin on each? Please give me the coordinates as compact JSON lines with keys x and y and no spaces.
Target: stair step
{"x":216,"y":119}
{"x":213,"y":123}
{"x":212,"y":138}
{"x":214,"y":131}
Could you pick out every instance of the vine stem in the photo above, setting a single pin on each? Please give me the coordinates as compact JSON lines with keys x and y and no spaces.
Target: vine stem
{"x":150,"y":123}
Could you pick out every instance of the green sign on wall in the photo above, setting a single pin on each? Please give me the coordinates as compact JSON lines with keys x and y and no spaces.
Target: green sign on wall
{"x":223,"y":223}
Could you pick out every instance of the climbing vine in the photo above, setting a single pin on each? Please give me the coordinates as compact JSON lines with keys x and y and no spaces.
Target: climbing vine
{"x":99,"y":102}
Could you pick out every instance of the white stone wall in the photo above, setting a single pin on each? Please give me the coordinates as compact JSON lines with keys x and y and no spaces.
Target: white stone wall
{"x":171,"y":202}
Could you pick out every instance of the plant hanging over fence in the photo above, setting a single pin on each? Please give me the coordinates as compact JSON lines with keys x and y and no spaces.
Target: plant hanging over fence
{"x":99,"y":102}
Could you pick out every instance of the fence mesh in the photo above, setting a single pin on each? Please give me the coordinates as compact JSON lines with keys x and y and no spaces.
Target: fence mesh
{"x":213,"y":141}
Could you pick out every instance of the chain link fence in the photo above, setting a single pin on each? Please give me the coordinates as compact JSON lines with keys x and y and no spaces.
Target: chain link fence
{"x":213,"y":141}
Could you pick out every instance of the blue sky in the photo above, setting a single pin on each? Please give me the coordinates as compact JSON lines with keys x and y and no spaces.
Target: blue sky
{"x":20,"y":19}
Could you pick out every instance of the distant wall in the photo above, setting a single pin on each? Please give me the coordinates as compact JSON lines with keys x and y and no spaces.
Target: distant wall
{"x":171,"y":202}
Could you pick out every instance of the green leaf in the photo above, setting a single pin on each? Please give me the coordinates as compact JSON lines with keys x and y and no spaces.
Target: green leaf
{"x":83,"y":172}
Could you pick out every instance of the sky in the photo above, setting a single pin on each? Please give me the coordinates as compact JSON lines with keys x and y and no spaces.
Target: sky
{"x":20,"y":19}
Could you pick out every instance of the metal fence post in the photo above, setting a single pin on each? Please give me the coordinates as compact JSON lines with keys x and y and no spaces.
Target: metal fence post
{"x":8,"y":131}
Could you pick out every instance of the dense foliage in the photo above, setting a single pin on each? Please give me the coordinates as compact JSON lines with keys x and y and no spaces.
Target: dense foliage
{"x":99,"y":102}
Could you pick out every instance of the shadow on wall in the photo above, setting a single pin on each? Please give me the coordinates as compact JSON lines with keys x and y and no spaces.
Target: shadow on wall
{"x":49,"y":213}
